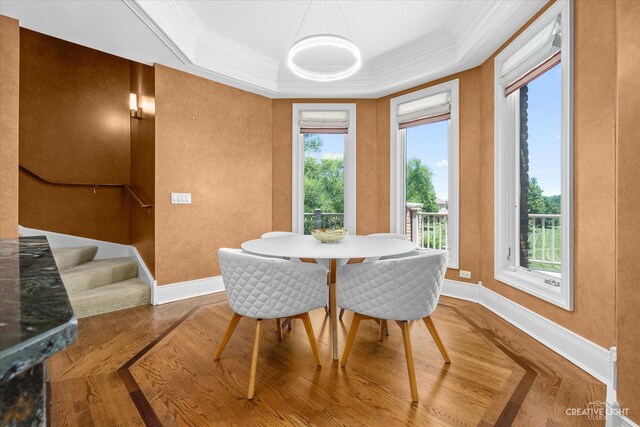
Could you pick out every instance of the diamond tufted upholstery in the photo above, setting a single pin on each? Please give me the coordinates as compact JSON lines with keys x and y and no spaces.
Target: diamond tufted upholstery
{"x":270,"y":234}
{"x":269,"y":288}
{"x":391,"y":235}
{"x":395,"y":289}
{"x":277,"y":234}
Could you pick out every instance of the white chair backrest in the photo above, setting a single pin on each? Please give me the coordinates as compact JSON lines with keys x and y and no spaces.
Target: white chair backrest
{"x":276,"y":234}
{"x":395,"y":289}
{"x":280,"y":234}
{"x":391,"y":235}
{"x":269,"y":288}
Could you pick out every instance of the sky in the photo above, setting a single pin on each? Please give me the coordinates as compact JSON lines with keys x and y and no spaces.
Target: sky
{"x":332,"y":146}
{"x":429,"y":142}
{"x":544,"y":131}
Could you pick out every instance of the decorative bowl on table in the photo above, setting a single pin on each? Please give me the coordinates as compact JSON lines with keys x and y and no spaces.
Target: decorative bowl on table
{"x":328,"y":235}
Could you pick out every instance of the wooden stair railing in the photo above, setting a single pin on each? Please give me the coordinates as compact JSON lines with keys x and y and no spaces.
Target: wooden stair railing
{"x":83,"y":184}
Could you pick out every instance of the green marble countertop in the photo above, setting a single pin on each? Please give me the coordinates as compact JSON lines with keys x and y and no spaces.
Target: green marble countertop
{"x":36,"y":318}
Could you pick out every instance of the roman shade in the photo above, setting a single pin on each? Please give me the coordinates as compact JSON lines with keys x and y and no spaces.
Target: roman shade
{"x":430,"y":109}
{"x":324,"y":121}
{"x":538,"y":55}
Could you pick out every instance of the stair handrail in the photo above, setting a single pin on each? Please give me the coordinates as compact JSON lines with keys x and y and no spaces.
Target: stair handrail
{"x":84,"y":184}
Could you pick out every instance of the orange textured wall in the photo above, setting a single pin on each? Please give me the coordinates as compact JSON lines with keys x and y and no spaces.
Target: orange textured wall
{"x":213,"y":141}
{"x":594,"y":180}
{"x":74,"y":126}
{"x":142,"y":141}
{"x":469,"y":175}
{"x":372,"y":165}
{"x":9,"y":94}
{"x":366,"y":162}
{"x":628,"y":207}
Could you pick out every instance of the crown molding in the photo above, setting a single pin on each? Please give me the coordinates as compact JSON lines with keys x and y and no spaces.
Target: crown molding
{"x":482,"y":27}
{"x":175,"y":23}
{"x":205,"y":53}
{"x":224,"y":56}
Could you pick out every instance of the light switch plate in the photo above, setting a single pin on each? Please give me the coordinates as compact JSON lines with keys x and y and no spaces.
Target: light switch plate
{"x":180,"y":198}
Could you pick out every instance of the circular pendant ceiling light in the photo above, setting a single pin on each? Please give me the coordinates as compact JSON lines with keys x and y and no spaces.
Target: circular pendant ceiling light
{"x":323,"y":40}
{"x":333,"y":41}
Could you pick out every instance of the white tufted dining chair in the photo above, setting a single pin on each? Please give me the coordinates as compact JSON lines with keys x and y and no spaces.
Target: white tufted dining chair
{"x":402,"y":290}
{"x":391,"y":235}
{"x":269,"y":288}
{"x":281,"y":323}
{"x":277,"y":234}
{"x":388,"y":235}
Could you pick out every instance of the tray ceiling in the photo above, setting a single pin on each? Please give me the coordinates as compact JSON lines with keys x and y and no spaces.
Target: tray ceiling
{"x":245,"y":43}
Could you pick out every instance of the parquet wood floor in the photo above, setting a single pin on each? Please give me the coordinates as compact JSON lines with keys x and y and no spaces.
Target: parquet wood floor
{"x":154,"y":366}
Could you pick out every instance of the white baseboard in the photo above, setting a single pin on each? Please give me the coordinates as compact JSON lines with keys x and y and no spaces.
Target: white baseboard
{"x":621,"y":421}
{"x":461,"y":290}
{"x":189,"y":289}
{"x":105,"y":249}
{"x":588,"y":356}
{"x":143,"y":272}
{"x":59,"y":240}
{"x":585,"y":354}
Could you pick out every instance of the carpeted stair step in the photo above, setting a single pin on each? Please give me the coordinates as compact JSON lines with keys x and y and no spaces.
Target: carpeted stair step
{"x":116,"y":296}
{"x":70,"y":257}
{"x":95,"y":274}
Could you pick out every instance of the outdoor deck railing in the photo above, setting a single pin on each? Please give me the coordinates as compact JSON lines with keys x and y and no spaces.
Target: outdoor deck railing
{"x":319,"y":219}
{"x":432,"y":230}
{"x":545,"y":239}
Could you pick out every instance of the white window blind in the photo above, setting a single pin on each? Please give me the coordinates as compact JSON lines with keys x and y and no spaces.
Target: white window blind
{"x":324,"y":122}
{"x":425,"y":110}
{"x":535,"y":57}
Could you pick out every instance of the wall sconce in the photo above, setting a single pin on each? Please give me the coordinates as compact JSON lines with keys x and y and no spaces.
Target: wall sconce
{"x":135,"y":112}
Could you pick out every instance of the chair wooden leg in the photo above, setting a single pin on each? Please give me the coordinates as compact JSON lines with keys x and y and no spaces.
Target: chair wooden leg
{"x":279,"y":329}
{"x":286,"y":323}
{"x":382,"y":329}
{"x":254,"y":361}
{"x":312,"y":338}
{"x":341,"y":313}
{"x":406,"y":338}
{"x":436,"y":338}
{"x":352,"y":335}
{"x":225,"y":339}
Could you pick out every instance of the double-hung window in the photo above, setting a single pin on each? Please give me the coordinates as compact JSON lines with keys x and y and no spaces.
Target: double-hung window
{"x":424,"y":167}
{"x":533,"y":159}
{"x":323,"y":175}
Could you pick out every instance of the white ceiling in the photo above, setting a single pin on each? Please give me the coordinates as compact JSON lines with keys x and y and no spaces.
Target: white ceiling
{"x":244,"y":43}
{"x":377,"y":27}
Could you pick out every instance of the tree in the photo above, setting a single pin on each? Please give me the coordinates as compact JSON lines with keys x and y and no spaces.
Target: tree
{"x":539,"y":203}
{"x":536,"y":201}
{"x":323,"y":179}
{"x":420,"y":185}
{"x":552,"y":204}
{"x":312,"y":143}
{"x":323,"y":185}
{"x":525,"y":182}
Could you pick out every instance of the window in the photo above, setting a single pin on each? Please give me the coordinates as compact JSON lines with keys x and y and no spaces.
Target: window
{"x":323,"y":175}
{"x":424,"y":167}
{"x":533,"y":159}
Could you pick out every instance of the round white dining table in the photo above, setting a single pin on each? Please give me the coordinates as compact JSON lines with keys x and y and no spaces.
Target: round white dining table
{"x":359,"y":247}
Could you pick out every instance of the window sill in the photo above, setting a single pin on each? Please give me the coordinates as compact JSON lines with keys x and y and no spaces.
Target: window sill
{"x":531,"y":284}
